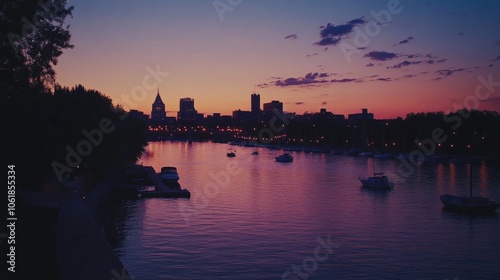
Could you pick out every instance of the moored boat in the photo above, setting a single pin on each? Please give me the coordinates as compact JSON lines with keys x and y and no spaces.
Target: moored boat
{"x":169,"y":174}
{"x":231,"y":153}
{"x":378,"y":181}
{"x":285,"y":157}
{"x":469,"y":204}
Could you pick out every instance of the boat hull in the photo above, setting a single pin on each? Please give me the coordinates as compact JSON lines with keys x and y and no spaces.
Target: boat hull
{"x":376,"y":184}
{"x":284,"y":158}
{"x":166,"y":194}
{"x":169,"y":177}
{"x":468,"y":204}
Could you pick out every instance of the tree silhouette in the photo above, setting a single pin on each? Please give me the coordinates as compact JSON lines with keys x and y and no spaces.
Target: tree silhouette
{"x":33,"y":36}
{"x":44,"y":121}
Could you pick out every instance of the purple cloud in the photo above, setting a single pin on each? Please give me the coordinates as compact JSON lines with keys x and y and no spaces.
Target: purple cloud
{"x":310,"y":79}
{"x":328,"y":41}
{"x":345,"y":80}
{"x":408,"y":63}
{"x":443,"y":73}
{"x":404,"y":64}
{"x":381,"y":55}
{"x":331,"y":34}
{"x":384,"y":79}
{"x":405,"y":41}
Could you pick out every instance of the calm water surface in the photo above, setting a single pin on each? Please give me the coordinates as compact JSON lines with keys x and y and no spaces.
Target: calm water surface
{"x":253,"y":218}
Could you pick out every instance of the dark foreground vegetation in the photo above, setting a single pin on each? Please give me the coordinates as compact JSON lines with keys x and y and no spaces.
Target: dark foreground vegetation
{"x":52,"y":134}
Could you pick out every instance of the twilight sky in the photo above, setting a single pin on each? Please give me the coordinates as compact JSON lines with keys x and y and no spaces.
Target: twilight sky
{"x":340,"y":55}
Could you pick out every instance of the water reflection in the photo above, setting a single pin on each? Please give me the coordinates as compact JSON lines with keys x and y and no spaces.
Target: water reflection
{"x":269,"y":215}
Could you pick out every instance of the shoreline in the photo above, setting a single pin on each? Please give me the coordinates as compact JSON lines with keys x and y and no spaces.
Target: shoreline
{"x":336,"y":150}
{"x":81,"y":251}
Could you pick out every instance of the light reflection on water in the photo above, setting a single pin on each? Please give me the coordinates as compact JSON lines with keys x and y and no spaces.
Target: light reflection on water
{"x":269,"y":215}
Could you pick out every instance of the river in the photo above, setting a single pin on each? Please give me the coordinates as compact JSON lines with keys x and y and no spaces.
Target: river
{"x":250,"y":217}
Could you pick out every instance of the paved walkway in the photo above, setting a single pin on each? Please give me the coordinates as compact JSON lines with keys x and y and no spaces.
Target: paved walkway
{"x":82,"y":250}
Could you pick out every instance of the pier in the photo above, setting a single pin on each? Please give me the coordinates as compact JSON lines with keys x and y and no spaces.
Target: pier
{"x":161,"y":189}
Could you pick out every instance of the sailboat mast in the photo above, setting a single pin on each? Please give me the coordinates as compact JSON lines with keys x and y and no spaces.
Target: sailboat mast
{"x":470,"y":177}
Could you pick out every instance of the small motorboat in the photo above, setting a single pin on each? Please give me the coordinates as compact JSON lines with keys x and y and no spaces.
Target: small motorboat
{"x":231,"y":153}
{"x":383,"y":155}
{"x":378,"y":181}
{"x":366,"y":154}
{"x":286,"y":157}
{"x":169,"y":174}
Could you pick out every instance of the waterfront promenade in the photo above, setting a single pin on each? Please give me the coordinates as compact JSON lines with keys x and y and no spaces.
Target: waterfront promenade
{"x":81,"y":248}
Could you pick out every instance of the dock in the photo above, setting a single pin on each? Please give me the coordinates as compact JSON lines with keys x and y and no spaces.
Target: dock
{"x":161,"y":189}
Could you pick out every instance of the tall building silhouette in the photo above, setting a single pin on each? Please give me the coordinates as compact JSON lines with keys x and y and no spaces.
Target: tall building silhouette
{"x":255,"y":103}
{"x":270,"y":106}
{"x":187,"y":112}
{"x":158,"y":113}
{"x":363,"y":116}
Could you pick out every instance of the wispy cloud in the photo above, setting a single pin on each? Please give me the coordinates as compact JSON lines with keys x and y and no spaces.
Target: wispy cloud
{"x":345,"y":80}
{"x":332,"y":34}
{"x":381,"y":55}
{"x":409,"y":76}
{"x":299,"y":103}
{"x":309,"y":80}
{"x":383,"y":79}
{"x":497,"y":59}
{"x":443,"y":73}
{"x":324,"y":103}
{"x":406,"y":63}
{"x":291,"y":36}
{"x":405,"y":41}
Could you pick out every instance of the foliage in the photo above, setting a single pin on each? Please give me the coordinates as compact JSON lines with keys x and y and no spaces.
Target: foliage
{"x":32,"y":37}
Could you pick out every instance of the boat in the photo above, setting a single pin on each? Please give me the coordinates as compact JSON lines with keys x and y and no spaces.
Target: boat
{"x":366,"y":154}
{"x":231,"y":153}
{"x":383,"y":155}
{"x":458,"y":160}
{"x":378,"y":181}
{"x":169,"y":174}
{"x":285,"y":157}
{"x":157,"y":184}
{"x":469,"y":204}
{"x":403,"y":156}
{"x":337,"y":151}
{"x":353,"y":152}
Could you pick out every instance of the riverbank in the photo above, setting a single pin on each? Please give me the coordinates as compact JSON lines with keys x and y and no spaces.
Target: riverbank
{"x":70,"y":245}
